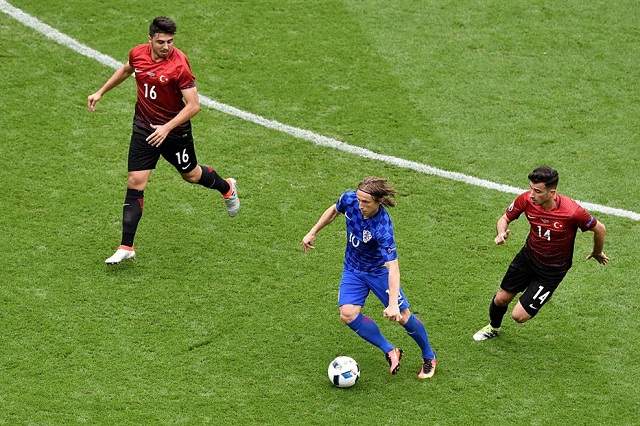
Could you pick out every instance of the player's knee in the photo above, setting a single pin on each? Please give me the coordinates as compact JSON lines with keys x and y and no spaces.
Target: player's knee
{"x":136,"y":182}
{"x":348,"y":315}
{"x":346,"y":318}
{"x":502,"y":298}
{"x":520,"y":317}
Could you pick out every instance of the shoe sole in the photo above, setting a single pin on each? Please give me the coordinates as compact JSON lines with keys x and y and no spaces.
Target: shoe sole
{"x":483,"y":338}
{"x":117,"y":263}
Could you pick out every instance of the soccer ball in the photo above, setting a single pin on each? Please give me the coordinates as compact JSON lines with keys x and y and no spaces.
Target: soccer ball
{"x":344,"y":372}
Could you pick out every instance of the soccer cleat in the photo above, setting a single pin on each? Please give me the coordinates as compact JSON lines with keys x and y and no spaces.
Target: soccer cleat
{"x":428,"y":369}
{"x":231,"y":200}
{"x":485,"y":333}
{"x":123,"y":253}
{"x":393,"y":357}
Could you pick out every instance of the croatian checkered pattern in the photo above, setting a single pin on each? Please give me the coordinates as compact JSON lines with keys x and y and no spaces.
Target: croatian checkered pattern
{"x":381,"y":248}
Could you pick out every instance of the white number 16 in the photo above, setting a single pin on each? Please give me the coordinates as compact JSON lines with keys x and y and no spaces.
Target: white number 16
{"x":184,"y":157}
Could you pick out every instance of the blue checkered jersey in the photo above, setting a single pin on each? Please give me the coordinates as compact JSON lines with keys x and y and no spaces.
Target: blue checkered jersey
{"x":370,"y":242}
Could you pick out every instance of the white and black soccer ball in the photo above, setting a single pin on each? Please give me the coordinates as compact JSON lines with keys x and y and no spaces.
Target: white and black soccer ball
{"x":344,"y":372}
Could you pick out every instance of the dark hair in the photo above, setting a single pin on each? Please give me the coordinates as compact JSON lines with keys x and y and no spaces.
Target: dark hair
{"x":162,"y":24}
{"x":546,"y":175}
{"x":379,"y":189}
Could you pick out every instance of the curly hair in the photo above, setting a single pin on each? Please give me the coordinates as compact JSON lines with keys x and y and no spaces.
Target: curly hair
{"x":381,"y":190}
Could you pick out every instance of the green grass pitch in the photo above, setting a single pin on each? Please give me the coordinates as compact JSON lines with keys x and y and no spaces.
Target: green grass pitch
{"x":224,"y":320}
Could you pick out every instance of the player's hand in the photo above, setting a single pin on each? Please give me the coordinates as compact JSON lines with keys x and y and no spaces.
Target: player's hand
{"x":158,"y":136}
{"x":502,"y":237}
{"x":307,"y":242}
{"x":392,"y":312}
{"x":92,"y":100}
{"x":602,"y":258}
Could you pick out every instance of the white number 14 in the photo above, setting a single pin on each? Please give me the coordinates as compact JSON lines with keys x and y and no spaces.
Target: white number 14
{"x":543,"y":297}
{"x":547,"y":233}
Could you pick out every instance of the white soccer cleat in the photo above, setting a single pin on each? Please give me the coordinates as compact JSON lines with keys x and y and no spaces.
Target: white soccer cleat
{"x":231,"y":200}
{"x":485,"y":333}
{"x":123,"y":253}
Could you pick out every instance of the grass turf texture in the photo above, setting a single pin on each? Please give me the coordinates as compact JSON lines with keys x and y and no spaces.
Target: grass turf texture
{"x":222,"y":320}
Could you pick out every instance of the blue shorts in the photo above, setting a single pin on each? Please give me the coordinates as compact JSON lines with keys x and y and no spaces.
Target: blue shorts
{"x":355,"y":287}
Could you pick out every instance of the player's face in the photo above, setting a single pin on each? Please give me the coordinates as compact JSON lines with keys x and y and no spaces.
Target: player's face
{"x":368,"y":206}
{"x":161,"y":45}
{"x":540,"y":194}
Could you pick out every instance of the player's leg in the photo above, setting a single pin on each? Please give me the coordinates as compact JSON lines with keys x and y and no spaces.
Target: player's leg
{"x":497,"y":308}
{"x":515,"y":280}
{"x":179,"y":150}
{"x":351,"y":298}
{"x":209,"y":178}
{"x":499,"y":305}
{"x":367,"y":328}
{"x":418,"y":332}
{"x":142,"y":160}
{"x":416,"y":329}
{"x":378,"y":283}
{"x":131,"y":214}
{"x":133,"y":204}
{"x":519,"y":314}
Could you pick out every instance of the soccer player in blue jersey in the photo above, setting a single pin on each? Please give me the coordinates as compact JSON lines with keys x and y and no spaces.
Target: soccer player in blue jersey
{"x":371,"y":264}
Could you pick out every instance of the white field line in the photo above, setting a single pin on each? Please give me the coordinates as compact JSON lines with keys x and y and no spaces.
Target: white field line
{"x":307,"y":135}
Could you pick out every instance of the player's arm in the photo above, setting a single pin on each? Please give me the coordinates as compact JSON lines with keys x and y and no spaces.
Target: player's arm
{"x":502,"y":229}
{"x":326,"y":218}
{"x":120,"y":75}
{"x":392,"y":311}
{"x":191,"y":108}
{"x":599,"y":232}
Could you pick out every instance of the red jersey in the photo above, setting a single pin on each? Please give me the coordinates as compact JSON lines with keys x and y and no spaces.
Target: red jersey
{"x":553,"y":232}
{"x":159,"y":85}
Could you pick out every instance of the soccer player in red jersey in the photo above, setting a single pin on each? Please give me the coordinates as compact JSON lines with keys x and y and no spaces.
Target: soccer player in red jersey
{"x":167,"y":99}
{"x":546,"y":257}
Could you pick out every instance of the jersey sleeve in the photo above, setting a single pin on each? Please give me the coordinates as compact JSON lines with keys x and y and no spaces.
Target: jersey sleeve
{"x":387,"y":242}
{"x":186,"y":79}
{"x":516,"y":208}
{"x":130,"y":56}
{"x":584,"y":219}
{"x":341,"y":204}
